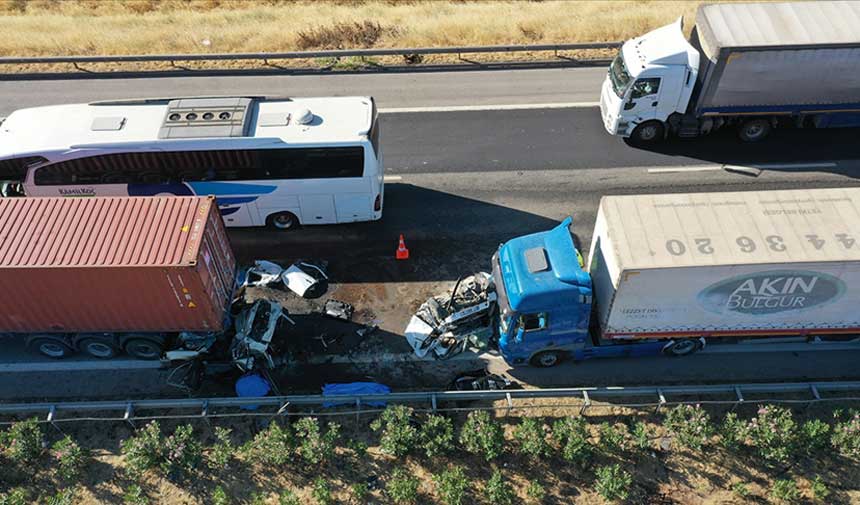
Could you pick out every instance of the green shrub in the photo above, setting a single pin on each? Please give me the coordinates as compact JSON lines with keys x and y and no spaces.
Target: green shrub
{"x":222,"y":451}
{"x":785,"y":491}
{"x":611,"y":438}
{"x":316,"y":448}
{"x":690,"y":425}
{"x":483,"y":436}
{"x":452,"y":485}
{"x":498,"y":491}
{"x":642,"y":434}
{"x":571,"y":433}
{"x":69,"y":458}
{"x":820,"y":491}
{"x":135,"y":495}
{"x":182,"y":452}
{"x":530,"y":434}
{"x":402,"y":487}
{"x":321,"y":492}
{"x":815,"y":436}
{"x":774,"y":433}
{"x":358,"y":448}
{"x":15,"y":496}
{"x":535,"y":492}
{"x":271,"y":447}
{"x":613,"y":483}
{"x":23,"y":442}
{"x":437,"y":436}
{"x":740,"y":490}
{"x":288,"y":497}
{"x":257,"y":498}
{"x":398,"y":436}
{"x":360,"y":491}
{"x":846,"y":434}
{"x":143,"y":450}
{"x":219,"y":496}
{"x":733,"y":432}
{"x":63,"y":497}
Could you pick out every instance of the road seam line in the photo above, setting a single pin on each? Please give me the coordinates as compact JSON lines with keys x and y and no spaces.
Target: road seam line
{"x":468,"y":108}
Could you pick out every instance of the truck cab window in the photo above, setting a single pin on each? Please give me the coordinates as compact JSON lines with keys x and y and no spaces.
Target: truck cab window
{"x":534,"y":322}
{"x":645,"y":87}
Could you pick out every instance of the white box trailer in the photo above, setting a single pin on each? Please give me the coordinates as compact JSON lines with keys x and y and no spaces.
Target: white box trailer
{"x":727,"y":264}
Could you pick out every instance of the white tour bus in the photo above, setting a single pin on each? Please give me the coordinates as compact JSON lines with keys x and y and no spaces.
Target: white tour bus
{"x":279,"y":162}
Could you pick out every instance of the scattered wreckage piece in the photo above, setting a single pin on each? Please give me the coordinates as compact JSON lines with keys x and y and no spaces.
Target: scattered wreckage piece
{"x":304,"y":278}
{"x":445,"y":325}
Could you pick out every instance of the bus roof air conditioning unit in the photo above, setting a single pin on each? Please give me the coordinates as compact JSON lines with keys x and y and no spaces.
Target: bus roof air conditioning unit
{"x":206,"y":117}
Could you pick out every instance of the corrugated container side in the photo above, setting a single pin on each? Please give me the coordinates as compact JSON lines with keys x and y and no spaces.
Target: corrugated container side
{"x":115,"y":264}
{"x":734,"y":300}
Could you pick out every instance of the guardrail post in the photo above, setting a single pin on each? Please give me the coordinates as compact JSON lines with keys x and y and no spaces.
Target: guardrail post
{"x":661,"y":400}
{"x":816,"y":396}
{"x":510,"y":404}
{"x":204,"y":413}
{"x":52,"y":414}
{"x":740,"y":398}
{"x":357,"y":410}
{"x":586,"y":402}
{"x":129,"y":415}
{"x":433,"y":403}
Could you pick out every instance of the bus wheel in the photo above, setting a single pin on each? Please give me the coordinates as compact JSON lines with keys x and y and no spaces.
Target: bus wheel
{"x":683,"y":347}
{"x":282,"y":221}
{"x":546,"y":359}
{"x":51,"y":347}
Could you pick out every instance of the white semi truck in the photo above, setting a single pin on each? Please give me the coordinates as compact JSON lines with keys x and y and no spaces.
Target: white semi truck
{"x":750,"y":66}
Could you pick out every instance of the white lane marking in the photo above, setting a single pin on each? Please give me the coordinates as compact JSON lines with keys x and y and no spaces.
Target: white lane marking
{"x":392,"y":178}
{"x":466,"y":108}
{"x":687,"y":168}
{"x":74,"y":366}
{"x":780,"y":347}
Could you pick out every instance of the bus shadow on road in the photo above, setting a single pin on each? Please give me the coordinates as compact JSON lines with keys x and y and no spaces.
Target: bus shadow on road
{"x":782,"y":147}
{"x":445,"y":234}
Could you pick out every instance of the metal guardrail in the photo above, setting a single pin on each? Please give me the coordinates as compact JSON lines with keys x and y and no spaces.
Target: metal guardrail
{"x":436,"y":401}
{"x":265,"y":57}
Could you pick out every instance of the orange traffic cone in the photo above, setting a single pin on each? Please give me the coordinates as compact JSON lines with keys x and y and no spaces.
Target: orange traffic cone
{"x":402,"y":251}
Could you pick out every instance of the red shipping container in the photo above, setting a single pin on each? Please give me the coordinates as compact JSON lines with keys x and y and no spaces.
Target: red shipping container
{"x":114,"y":264}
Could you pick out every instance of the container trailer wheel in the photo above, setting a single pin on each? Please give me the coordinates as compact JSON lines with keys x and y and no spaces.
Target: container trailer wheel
{"x":546,"y":359}
{"x":143,"y":348}
{"x":101,"y":348}
{"x":683,"y":347}
{"x":754,"y":130}
{"x":51,"y":347}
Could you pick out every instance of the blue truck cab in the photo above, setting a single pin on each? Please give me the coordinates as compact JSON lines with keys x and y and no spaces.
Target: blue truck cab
{"x":545,"y":299}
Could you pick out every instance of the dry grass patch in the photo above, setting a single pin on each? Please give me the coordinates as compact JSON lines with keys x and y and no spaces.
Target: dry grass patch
{"x":87,"y":27}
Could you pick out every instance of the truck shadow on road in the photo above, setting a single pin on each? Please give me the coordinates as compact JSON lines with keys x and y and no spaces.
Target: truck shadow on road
{"x":783,"y":147}
{"x":438,"y":228}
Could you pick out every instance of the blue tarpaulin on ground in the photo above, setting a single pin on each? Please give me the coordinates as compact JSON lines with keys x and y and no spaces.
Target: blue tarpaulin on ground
{"x":252,"y":386}
{"x":355,"y":388}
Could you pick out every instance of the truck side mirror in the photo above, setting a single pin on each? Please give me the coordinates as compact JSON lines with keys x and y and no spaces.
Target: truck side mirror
{"x":520,"y":333}
{"x":629,"y":105}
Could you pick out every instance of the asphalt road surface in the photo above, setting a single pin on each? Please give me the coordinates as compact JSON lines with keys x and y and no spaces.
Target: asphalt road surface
{"x":468,"y":167}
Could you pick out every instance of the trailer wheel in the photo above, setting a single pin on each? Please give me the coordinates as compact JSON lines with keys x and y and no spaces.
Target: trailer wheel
{"x":754,"y":130}
{"x":101,"y":348}
{"x":683,"y":347}
{"x":143,"y":348}
{"x":51,"y":347}
{"x":648,"y":132}
{"x":546,"y":359}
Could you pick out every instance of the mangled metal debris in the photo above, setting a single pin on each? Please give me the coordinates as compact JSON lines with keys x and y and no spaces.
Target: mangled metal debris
{"x":445,"y":325}
{"x":304,"y":278}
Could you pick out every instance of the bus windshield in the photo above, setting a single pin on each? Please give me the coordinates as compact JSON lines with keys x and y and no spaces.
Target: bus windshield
{"x":618,"y":75}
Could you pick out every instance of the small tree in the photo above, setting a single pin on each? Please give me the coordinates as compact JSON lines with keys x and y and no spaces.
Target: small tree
{"x":399,"y":436}
{"x":774,"y":432}
{"x":222,"y":450}
{"x":641,"y":435}
{"x":611,"y":438}
{"x":360,"y":492}
{"x":690,"y":425}
{"x":437,"y":436}
{"x":321,"y":492}
{"x":219,"y":496}
{"x":23,"y":442}
{"x":481,"y":435}
{"x":498,"y":491}
{"x":182,"y":452}
{"x":272,"y":447}
{"x":70,"y":458}
{"x":316,"y":448}
{"x":571,"y":433}
{"x":733,"y":431}
{"x":452,"y":485}
{"x":613,"y":483}
{"x":402,"y":487}
{"x":288,"y":497}
{"x":63,"y":497}
{"x":820,"y":491}
{"x":815,"y":436}
{"x":134,"y":495}
{"x":15,"y":496}
{"x":846,"y":434}
{"x":530,"y":434}
{"x":535,"y":492}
